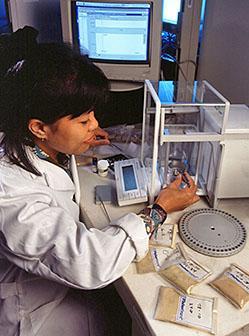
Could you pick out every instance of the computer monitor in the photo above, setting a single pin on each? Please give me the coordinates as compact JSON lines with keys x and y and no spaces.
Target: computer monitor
{"x":122,"y":37}
{"x":171,"y":10}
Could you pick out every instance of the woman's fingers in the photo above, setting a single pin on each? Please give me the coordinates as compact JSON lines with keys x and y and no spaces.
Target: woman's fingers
{"x":176,"y":183}
{"x":99,"y":142}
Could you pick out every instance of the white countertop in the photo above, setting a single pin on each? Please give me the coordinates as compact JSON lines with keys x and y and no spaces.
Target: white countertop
{"x":144,"y":287}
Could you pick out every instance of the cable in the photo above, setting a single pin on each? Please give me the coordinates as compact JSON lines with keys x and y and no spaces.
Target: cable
{"x":183,"y":62}
{"x":179,"y":65}
{"x":105,"y":211}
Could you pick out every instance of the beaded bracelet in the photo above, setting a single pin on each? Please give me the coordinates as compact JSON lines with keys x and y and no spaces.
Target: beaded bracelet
{"x":153,"y":217}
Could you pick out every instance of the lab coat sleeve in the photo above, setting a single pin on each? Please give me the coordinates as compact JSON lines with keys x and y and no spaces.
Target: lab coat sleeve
{"x":47,"y":241}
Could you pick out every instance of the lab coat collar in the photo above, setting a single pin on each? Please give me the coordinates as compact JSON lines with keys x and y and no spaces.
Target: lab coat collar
{"x":54,"y":176}
{"x":76,"y":180}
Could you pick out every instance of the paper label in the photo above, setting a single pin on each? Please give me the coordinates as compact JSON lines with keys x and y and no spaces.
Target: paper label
{"x":159,"y":255}
{"x":174,"y":257}
{"x":193,"y":269}
{"x":238,"y":276}
{"x":163,"y":235}
{"x":195,"y":312}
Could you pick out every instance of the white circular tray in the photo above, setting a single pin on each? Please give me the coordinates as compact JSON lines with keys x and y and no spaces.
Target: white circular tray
{"x":212,"y":232}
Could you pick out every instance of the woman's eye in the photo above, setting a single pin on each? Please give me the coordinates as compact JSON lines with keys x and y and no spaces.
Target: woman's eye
{"x":84,"y":122}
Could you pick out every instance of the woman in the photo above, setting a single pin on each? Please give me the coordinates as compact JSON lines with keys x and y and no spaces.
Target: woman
{"x":47,"y":104}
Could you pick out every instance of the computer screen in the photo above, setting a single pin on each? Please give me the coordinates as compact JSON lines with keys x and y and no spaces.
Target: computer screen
{"x":122,"y":37}
{"x":171,"y":8}
{"x":112,"y":31}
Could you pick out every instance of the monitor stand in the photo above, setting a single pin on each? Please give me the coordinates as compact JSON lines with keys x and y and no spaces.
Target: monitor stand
{"x":125,"y":86}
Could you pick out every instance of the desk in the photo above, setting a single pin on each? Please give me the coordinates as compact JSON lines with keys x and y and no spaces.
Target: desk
{"x":139,"y":292}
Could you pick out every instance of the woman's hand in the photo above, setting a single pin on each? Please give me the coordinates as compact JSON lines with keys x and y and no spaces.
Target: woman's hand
{"x":101,"y":137}
{"x":173,"y":198}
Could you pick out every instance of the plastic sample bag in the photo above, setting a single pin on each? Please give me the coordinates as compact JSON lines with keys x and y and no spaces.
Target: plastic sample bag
{"x":184,"y":273}
{"x":164,"y":236}
{"x":233,"y":284}
{"x":189,"y":310}
{"x":154,"y":259}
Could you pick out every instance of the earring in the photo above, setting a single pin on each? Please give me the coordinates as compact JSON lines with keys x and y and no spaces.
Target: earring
{"x":42,"y":139}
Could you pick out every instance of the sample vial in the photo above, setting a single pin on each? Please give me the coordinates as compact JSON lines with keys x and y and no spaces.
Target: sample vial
{"x":94,"y":164}
{"x":103,"y":167}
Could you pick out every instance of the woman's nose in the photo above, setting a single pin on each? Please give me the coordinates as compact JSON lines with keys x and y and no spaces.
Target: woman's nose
{"x":93,"y":122}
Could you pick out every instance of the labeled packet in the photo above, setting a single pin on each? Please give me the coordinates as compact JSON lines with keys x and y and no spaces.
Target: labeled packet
{"x":178,"y":254}
{"x":154,"y":259}
{"x":233,"y":284}
{"x":164,"y":236}
{"x":189,"y":310}
{"x":184,"y":273}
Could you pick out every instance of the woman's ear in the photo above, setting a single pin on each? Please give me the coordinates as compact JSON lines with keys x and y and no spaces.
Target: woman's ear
{"x":37,"y":128}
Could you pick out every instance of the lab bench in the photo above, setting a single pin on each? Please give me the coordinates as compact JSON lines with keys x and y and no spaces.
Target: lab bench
{"x":140,"y":291}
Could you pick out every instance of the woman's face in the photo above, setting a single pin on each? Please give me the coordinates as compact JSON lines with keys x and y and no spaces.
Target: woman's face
{"x":70,"y":135}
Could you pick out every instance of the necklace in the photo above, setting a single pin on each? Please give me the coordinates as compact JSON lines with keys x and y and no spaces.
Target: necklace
{"x":40,"y":153}
{"x":63,"y":159}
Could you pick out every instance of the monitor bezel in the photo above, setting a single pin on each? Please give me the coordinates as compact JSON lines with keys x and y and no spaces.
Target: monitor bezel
{"x":110,"y":61}
{"x":128,"y":71}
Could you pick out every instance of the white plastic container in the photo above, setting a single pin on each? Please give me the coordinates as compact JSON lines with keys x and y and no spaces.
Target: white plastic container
{"x":102,"y":166}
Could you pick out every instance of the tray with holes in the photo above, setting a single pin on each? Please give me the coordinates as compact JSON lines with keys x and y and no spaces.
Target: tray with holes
{"x":212,"y":232}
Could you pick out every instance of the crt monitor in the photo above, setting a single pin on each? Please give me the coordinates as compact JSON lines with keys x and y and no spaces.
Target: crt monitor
{"x":170,"y":11}
{"x":122,"y":37}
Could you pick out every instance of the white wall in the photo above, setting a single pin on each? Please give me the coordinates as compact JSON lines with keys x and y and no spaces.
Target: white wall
{"x":224,"y":54}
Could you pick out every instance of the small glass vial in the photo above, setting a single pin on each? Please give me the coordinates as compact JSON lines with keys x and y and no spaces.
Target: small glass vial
{"x":103,"y":167}
{"x":94,"y":164}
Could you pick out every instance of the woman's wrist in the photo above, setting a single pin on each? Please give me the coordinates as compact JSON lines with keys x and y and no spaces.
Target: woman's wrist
{"x":153,"y":217}
{"x":160,"y":211}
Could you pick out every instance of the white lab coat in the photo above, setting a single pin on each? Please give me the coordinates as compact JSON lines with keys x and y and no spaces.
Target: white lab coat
{"x":45,"y":248}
